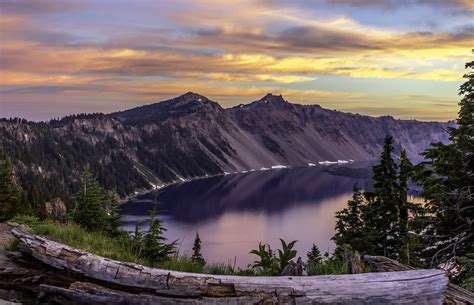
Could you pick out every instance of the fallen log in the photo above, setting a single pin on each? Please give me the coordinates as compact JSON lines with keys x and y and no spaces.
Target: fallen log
{"x":126,"y":279}
{"x":453,"y":295}
{"x":86,"y":293}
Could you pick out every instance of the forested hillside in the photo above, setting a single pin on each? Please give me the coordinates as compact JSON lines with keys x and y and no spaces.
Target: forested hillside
{"x":192,"y":136}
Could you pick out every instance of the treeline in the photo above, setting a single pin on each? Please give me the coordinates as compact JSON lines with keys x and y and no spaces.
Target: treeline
{"x":48,"y":157}
{"x":48,"y":165}
{"x":382,"y":221}
{"x":436,"y":234}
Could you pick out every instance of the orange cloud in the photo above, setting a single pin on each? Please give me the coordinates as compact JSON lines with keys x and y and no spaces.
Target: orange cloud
{"x":238,"y":51}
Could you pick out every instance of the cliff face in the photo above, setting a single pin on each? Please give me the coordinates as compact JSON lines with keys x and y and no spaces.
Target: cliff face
{"x":308,"y":133}
{"x":191,"y":136}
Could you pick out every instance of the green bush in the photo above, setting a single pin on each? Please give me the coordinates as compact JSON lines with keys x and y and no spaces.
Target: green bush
{"x":269,"y":263}
{"x":26,"y":220}
{"x":328,"y":267}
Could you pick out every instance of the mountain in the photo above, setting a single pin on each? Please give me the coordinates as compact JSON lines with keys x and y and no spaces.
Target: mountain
{"x":192,"y":136}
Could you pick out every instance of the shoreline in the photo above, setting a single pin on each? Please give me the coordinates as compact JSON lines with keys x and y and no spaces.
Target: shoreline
{"x":274,"y":167}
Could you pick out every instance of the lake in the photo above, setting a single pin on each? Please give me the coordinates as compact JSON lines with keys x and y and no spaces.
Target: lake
{"x":234,"y":212}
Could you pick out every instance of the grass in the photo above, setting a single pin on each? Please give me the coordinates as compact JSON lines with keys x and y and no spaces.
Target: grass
{"x":327,"y":267}
{"x":117,"y":248}
{"x":120,"y":248}
{"x":181,"y":263}
{"x":13,"y":245}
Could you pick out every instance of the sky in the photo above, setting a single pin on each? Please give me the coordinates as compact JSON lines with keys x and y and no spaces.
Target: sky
{"x":403,"y":58}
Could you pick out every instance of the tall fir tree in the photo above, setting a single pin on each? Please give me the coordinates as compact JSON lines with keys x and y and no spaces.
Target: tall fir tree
{"x":314,"y":256}
{"x":405,"y":173}
{"x":381,"y":213}
{"x":90,"y":201}
{"x":448,"y":186}
{"x":9,"y":191}
{"x":113,"y":218}
{"x":155,"y":247}
{"x":197,"y":255}
{"x":349,"y":224}
{"x":154,"y":244}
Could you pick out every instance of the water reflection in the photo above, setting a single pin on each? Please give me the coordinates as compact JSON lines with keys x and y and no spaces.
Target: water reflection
{"x":234,"y":213}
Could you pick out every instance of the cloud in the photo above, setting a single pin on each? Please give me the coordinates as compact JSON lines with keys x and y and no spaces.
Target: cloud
{"x":458,"y":4}
{"x":25,"y":7}
{"x":141,"y":51}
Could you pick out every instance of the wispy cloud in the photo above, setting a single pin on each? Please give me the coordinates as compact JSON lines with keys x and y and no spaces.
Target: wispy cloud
{"x":121,"y":53}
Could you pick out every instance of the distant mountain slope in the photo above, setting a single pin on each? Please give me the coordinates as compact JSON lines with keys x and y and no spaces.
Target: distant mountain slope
{"x":191,"y":136}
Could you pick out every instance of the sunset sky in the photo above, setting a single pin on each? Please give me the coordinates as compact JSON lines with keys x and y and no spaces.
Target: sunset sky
{"x":399,"y":57}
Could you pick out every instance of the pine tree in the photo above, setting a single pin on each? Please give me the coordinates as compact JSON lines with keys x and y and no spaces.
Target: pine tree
{"x":113,"y":219}
{"x":349,"y":224}
{"x":137,"y":240}
{"x":314,"y":256}
{"x":448,"y":183}
{"x":406,"y":169}
{"x":89,"y":211}
{"x":197,"y":256}
{"x":155,"y":247}
{"x":153,"y":243}
{"x":381,"y":213}
{"x":9,"y":192}
{"x":24,"y":206}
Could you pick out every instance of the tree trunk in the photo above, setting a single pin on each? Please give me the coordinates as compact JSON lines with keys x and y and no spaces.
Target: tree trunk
{"x":453,"y":295}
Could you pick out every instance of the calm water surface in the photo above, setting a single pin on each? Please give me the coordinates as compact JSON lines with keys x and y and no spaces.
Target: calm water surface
{"x":233,"y":213}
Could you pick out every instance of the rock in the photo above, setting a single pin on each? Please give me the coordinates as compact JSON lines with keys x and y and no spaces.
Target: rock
{"x":290,"y":269}
{"x":355,"y":264}
{"x":56,"y":209}
{"x":299,"y":267}
{"x":293,"y":269}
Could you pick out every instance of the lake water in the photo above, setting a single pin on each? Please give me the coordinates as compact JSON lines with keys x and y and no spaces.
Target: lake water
{"x":233,"y":213}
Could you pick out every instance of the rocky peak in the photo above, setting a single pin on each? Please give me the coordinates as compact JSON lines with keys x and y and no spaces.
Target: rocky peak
{"x":273,"y":99}
{"x":269,"y":102}
{"x":189,"y":103}
{"x":191,"y":97}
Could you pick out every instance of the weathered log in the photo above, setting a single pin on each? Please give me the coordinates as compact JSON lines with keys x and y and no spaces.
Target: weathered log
{"x":453,"y":295}
{"x":415,"y":286}
{"x":86,"y":293}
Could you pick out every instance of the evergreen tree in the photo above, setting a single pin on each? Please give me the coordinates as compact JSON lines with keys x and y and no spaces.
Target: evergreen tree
{"x":90,"y":211}
{"x":137,"y":240}
{"x":10,"y":196}
{"x":113,"y":219}
{"x":24,"y":206}
{"x":448,"y":186}
{"x":381,"y":214}
{"x":197,"y":256}
{"x":349,"y":224}
{"x":314,"y":256}
{"x":155,"y":247}
{"x":406,"y":169}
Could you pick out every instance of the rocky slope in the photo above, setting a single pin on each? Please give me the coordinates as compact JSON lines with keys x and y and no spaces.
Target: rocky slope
{"x":192,"y":136}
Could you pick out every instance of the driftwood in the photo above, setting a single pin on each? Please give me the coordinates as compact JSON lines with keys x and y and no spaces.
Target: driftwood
{"x":453,"y":295}
{"x":117,"y":282}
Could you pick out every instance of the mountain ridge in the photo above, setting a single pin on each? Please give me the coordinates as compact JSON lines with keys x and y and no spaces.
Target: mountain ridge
{"x":193,"y":136}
